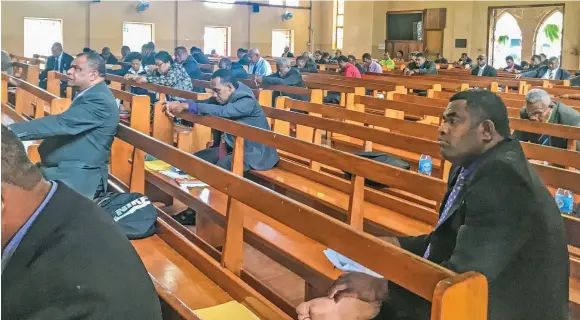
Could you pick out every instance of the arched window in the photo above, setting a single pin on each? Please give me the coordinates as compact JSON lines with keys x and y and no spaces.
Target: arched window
{"x":507,"y":40}
{"x":549,"y":35}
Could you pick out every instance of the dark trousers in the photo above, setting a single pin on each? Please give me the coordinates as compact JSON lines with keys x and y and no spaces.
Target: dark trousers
{"x":211,"y":155}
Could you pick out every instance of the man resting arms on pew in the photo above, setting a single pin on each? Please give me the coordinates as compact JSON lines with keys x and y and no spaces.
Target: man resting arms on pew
{"x":77,"y":143}
{"x":540,"y":108}
{"x":421,"y":66}
{"x":235,"y":101}
{"x":62,"y":256}
{"x":497,"y":218}
{"x":285,"y":75}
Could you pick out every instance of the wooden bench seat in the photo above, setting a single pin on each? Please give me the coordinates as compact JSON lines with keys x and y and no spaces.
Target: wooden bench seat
{"x":389,"y":221}
{"x":260,"y":231}
{"x":173,"y":276}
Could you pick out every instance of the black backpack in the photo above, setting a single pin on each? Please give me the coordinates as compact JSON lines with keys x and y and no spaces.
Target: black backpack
{"x":383,"y":158}
{"x":133,"y":212}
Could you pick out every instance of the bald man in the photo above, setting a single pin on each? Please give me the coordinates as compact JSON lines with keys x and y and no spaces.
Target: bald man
{"x":258,"y":65}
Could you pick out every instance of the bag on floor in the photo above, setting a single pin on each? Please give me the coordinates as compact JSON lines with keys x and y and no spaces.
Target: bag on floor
{"x":383,"y":158}
{"x":133,"y":212}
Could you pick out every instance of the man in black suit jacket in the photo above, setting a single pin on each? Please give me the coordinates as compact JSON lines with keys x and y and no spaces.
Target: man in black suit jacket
{"x":60,"y":61}
{"x":497,"y":218}
{"x":483,"y":69}
{"x":62,"y":256}
{"x":108,"y":56}
{"x":550,"y":72}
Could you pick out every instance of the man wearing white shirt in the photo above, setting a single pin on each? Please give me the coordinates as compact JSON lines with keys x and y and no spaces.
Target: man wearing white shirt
{"x":60,"y":61}
{"x":258,"y":65}
{"x":550,"y":72}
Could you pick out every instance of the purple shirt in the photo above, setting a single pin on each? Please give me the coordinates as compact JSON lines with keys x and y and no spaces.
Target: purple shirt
{"x":374,"y":67}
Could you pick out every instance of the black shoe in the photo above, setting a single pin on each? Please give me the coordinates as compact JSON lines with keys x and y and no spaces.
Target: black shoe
{"x":186,"y":218}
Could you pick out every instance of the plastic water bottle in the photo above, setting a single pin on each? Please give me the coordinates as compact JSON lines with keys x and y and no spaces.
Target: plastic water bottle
{"x":565,"y":201}
{"x":425,"y":164}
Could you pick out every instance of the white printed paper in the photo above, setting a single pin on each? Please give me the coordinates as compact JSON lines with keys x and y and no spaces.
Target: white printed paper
{"x":345,"y":264}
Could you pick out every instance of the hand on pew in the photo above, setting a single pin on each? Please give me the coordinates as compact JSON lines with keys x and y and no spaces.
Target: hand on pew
{"x":346,"y":309}
{"x":360,"y":286}
{"x":171,"y":108}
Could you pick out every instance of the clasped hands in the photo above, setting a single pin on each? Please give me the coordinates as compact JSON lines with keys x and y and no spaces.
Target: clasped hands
{"x":353,"y":296}
{"x":136,"y":78}
{"x":171,"y":108}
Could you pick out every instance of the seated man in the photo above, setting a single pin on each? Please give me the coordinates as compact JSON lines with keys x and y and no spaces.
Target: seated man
{"x":421,"y":66}
{"x":258,"y":65}
{"x":236,"y":68}
{"x":60,"y":61}
{"x":465,"y":60}
{"x":77,"y":143}
{"x":387,"y":61}
{"x":550,"y":72}
{"x":540,"y":108}
{"x":497,"y":218}
{"x":483,"y":69}
{"x":190,"y":65}
{"x":235,"y":101}
{"x":62,"y":256}
{"x":347,"y":69}
{"x":352,"y":60}
{"x":198,"y":55}
{"x":125,"y":50}
{"x":148,"y":54}
{"x":301,"y":64}
{"x":371,"y":65}
{"x":108,"y":56}
{"x":535,"y":62}
{"x":287,"y":53}
{"x":511,"y":65}
{"x":285,"y":75}
{"x":412,"y":64}
{"x":440,"y":59}
{"x":243,"y":57}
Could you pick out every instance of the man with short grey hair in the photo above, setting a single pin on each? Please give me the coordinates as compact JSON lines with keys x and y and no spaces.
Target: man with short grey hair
{"x":258,"y":65}
{"x":552,"y":71}
{"x":77,"y":143}
{"x":285,"y":75}
{"x":540,"y":108}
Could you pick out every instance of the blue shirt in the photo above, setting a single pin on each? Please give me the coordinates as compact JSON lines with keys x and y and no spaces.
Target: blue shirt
{"x":262,"y":67}
{"x":13,"y":244}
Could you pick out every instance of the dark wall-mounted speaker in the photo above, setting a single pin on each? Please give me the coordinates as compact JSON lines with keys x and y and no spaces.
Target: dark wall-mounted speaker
{"x":256,"y":8}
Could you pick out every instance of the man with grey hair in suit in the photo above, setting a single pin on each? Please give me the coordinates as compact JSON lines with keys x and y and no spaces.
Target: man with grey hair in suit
{"x":541,"y":108}
{"x":77,"y":143}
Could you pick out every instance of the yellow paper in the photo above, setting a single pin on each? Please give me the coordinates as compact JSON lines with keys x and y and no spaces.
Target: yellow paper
{"x":228,"y":310}
{"x":157,"y":165}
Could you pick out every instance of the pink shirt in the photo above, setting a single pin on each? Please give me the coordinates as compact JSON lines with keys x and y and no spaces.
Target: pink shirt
{"x":351,"y":71}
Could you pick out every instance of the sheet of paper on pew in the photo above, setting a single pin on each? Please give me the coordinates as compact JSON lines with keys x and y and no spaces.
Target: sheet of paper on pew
{"x":345,"y":264}
{"x":228,"y":310}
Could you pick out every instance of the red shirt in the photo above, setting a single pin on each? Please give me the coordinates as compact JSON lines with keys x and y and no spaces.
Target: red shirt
{"x":351,"y":71}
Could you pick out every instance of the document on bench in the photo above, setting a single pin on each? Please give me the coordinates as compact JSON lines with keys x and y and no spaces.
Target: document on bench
{"x":228,"y":310}
{"x":345,"y":264}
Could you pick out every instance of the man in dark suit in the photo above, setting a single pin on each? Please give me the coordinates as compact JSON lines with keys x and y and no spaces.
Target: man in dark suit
{"x":60,"y":62}
{"x":108,"y":56}
{"x":199,"y":56}
{"x":483,"y":69}
{"x":497,"y":218}
{"x":550,"y":72}
{"x":301,"y":65}
{"x":512,"y":66}
{"x":235,"y":101}
{"x":148,"y":54}
{"x":285,"y":75}
{"x":62,"y":256}
{"x":465,"y":60}
{"x":243,"y":57}
{"x":190,"y":65}
{"x":540,"y":108}
{"x":235,"y":68}
{"x":77,"y":143}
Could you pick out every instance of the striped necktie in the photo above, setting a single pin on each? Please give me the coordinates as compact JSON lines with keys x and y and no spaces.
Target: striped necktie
{"x":446,"y":211}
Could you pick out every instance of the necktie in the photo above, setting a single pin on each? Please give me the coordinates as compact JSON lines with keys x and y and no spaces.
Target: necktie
{"x":480,"y":72}
{"x":223,"y":149}
{"x":56,"y":64}
{"x":446,"y":211}
{"x":551,"y":74}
